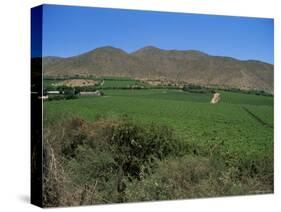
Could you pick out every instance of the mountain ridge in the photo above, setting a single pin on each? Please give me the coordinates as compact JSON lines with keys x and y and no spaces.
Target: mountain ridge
{"x":190,"y":66}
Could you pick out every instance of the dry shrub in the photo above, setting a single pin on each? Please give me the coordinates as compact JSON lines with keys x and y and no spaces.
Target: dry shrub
{"x":118,"y":160}
{"x":175,"y":178}
{"x":58,"y":187}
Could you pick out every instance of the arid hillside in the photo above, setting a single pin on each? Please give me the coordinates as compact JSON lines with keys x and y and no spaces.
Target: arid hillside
{"x":152,"y":63}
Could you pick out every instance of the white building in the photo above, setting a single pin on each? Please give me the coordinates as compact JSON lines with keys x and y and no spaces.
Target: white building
{"x":90,"y":93}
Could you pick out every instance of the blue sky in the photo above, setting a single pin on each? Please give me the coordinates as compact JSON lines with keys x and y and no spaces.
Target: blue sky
{"x":68,"y":31}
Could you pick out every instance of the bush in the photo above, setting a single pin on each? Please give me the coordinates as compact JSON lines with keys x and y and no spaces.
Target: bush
{"x":51,"y":178}
{"x":70,"y":96}
{"x":55,"y":97}
{"x":102,"y":93}
{"x":136,"y":147}
{"x":110,"y":153}
{"x":197,"y":89}
{"x":175,"y":178}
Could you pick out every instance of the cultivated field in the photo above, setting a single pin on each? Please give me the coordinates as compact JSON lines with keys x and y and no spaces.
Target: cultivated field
{"x":225,"y":149}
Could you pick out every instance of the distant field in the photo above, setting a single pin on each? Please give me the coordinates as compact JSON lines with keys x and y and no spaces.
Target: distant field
{"x":105,"y":82}
{"x":48,"y":83}
{"x":191,"y":115}
{"x":123,"y":83}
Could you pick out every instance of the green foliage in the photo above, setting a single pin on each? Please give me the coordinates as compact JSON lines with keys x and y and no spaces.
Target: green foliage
{"x":55,"y":97}
{"x":192,"y":88}
{"x":242,"y":91}
{"x":71,"y":96}
{"x":62,"y":97}
{"x":132,"y":146}
{"x":171,"y":144}
{"x":197,"y":89}
{"x":102,"y":93}
{"x":174,"y":178}
{"x":195,"y":176}
{"x":136,"y":147}
{"x":110,"y":153}
{"x":86,"y":88}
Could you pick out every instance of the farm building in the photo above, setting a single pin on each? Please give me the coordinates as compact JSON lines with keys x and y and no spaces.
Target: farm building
{"x":90,"y":93}
{"x":53,"y":92}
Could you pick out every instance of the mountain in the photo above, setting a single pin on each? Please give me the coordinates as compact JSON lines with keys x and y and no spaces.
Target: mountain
{"x":152,"y":63}
{"x":49,"y":60}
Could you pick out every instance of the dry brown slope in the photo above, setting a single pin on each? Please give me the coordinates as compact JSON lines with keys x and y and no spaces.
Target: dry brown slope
{"x":153,"y":63}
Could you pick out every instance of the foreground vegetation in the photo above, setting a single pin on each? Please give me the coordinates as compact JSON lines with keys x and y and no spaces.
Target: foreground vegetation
{"x":118,"y":160}
{"x":156,"y":144}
